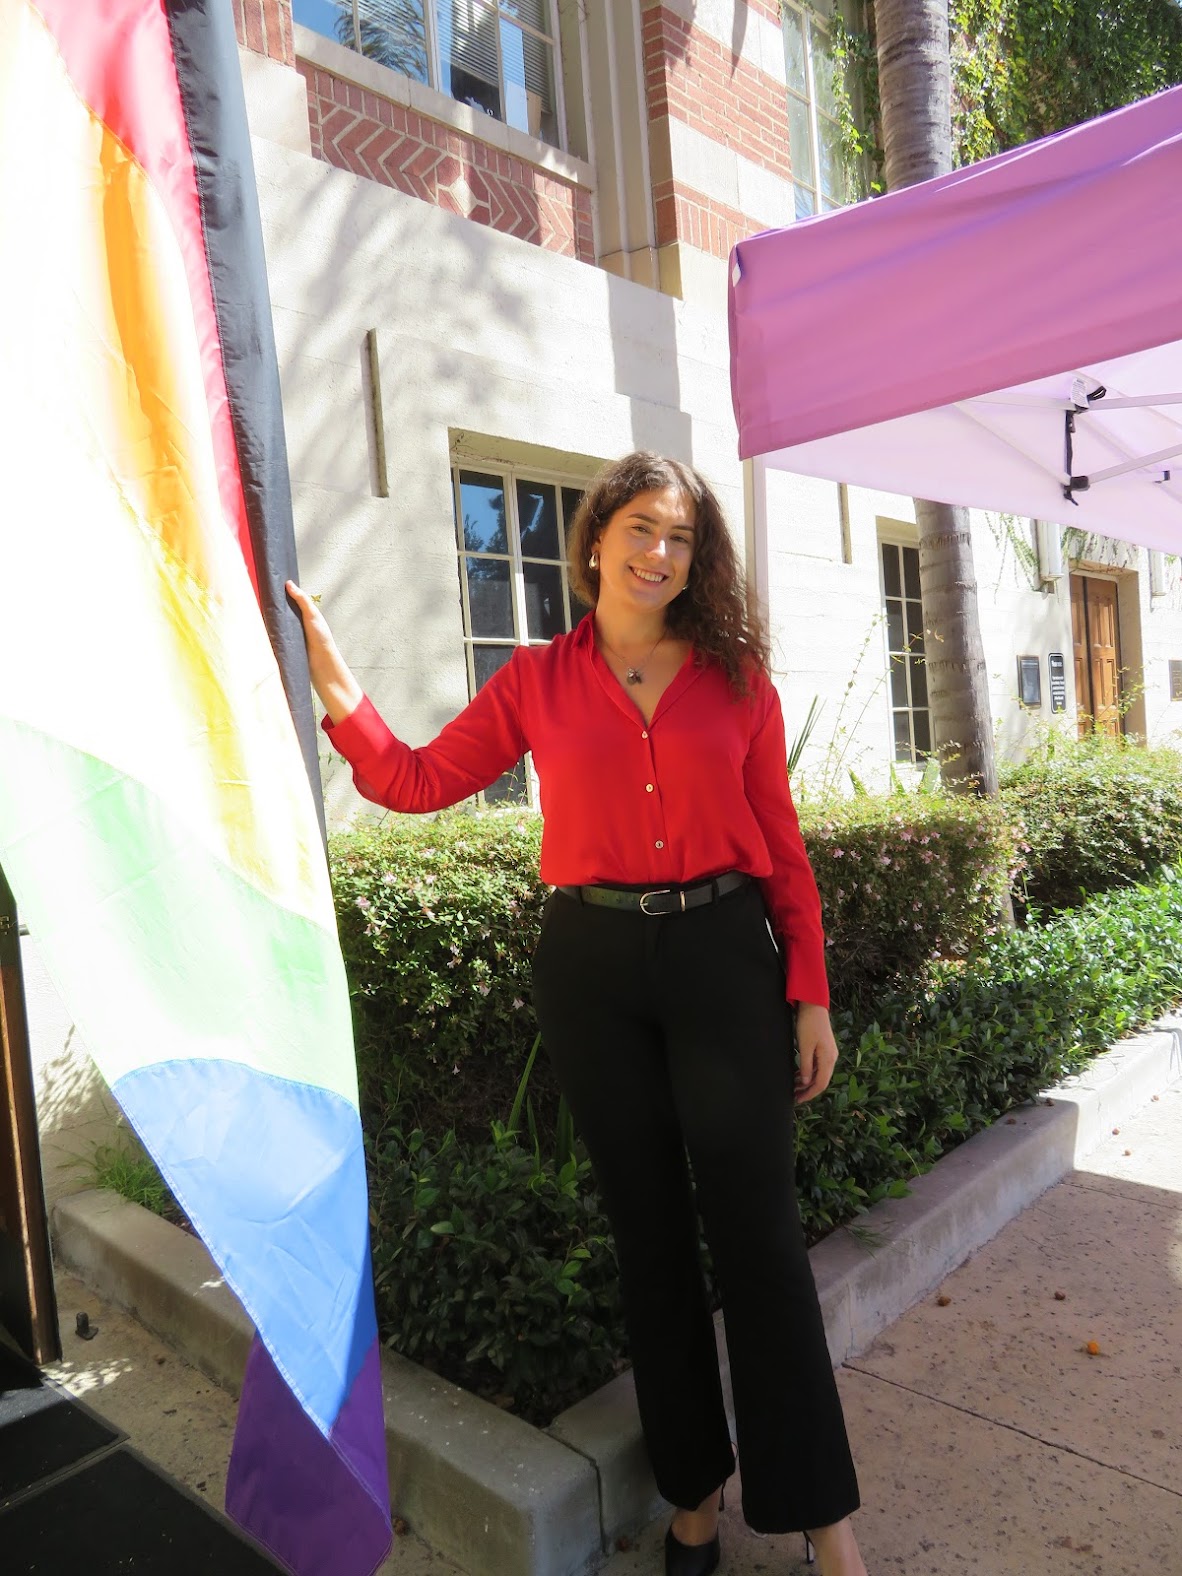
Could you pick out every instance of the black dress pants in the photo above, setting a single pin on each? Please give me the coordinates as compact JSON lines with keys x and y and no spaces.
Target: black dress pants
{"x":671,"y":1034}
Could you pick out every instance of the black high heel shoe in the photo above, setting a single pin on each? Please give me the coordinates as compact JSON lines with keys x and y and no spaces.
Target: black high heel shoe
{"x":693,"y":1559}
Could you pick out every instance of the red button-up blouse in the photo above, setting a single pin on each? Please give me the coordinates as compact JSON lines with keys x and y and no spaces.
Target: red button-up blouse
{"x":701,"y":789}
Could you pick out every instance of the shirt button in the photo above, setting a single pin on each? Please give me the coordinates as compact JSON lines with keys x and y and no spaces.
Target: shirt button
{"x":648,"y":787}
{"x":658,"y":845}
{"x":644,"y":735}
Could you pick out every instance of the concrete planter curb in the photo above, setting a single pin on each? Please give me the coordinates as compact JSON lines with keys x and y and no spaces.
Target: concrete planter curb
{"x":501,"y":1498}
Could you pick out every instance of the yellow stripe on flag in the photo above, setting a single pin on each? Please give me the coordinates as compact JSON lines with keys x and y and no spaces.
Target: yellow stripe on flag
{"x":154,"y":657}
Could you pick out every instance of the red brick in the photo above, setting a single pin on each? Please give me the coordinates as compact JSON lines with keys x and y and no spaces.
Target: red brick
{"x":256,"y":36}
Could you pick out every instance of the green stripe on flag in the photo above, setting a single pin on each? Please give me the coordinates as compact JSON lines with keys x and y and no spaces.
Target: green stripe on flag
{"x":161,"y":950}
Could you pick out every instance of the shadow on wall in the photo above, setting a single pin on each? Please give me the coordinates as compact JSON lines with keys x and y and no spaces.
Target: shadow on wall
{"x":450,"y":312}
{"x":76,"y":1112}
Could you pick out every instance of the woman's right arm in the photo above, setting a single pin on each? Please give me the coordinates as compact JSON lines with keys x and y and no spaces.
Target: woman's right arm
{"x":485,"y":740}
{"x":332,"y":679}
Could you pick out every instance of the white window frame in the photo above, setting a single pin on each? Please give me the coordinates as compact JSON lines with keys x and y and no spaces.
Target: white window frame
{"x":509,"y":476}
{"x":917,"y":761}
{"x":435,"y":62}
{"x":810,"y":18}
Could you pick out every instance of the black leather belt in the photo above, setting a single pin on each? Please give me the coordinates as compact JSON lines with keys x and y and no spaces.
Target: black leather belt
{"x":661,"y":900}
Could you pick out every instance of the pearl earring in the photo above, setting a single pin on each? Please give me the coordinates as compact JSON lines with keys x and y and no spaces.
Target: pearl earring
{"x":593,"y":561}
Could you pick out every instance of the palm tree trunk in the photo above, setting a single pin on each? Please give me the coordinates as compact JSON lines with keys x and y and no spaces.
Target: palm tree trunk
{"x":914,"y":83}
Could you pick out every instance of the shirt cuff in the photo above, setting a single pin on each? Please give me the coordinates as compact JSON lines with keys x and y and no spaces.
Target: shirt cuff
{"x":804,"y":984}
{"x":360,"y":732}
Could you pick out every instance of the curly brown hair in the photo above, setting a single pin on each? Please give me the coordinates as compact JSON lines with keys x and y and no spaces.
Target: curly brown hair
{"x":714,"y":611}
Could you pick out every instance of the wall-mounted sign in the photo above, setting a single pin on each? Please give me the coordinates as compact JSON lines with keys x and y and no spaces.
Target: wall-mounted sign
{"x":1058,"y":673}
{"x":1030,"y":681}
{"x":1176,"y":680}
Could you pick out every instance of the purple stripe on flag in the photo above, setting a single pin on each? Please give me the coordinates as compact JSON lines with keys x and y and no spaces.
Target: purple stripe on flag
{"x":321,"y":1506}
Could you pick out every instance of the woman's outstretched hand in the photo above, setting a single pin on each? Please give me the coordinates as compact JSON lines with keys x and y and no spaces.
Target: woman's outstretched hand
{"x":339,"y":692}
{"x":816,"y":1050}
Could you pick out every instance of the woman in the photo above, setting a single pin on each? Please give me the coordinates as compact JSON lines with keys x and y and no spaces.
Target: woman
{"x":664,"y":1002}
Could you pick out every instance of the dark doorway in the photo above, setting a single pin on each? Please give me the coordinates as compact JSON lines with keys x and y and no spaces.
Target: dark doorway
{"x":28,"y":1311}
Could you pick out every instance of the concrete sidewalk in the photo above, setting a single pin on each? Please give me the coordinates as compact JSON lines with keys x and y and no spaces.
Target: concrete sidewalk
{"x":988,"y":1438}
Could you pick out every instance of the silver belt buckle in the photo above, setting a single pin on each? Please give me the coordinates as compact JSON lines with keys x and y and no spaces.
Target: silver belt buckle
{"x":661,"y":892}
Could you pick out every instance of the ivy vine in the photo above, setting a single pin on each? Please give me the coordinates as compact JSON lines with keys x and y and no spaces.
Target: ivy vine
{"x":1021,"y":69}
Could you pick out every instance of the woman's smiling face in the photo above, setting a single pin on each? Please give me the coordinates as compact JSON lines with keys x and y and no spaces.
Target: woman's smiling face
{"x":646,"y":548}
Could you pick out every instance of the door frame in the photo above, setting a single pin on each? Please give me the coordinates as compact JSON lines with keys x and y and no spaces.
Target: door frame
{"x":28,"y":1305}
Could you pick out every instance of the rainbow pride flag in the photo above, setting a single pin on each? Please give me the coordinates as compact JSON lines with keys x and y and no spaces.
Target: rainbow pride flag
{"x":157,"y":820}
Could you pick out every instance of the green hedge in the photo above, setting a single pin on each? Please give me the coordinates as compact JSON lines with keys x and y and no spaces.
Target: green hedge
{"x":1098,"y":813}
{"x":938,"y":1064}
{"x":496,"y":1269}
{"x":439,"y":920}
{"x":905,"y":879}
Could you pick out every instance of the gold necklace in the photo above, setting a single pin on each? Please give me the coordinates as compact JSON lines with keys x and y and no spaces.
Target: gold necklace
{"x":634,"y":675}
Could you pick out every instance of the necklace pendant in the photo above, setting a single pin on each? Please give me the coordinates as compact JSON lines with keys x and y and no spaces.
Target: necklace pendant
{"x":635,"y":676}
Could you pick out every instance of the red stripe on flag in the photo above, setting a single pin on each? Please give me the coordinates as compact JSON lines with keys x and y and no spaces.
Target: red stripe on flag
{"x":118,"y":54}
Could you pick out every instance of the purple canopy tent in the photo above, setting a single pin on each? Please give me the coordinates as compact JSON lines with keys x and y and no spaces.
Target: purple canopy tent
{"x":1008,"y":336}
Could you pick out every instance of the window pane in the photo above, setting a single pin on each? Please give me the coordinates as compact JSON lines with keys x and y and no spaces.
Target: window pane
{"x":902,"y":736}
{"x":468,"y":54}
{"x":919,"y":681}
{"x":537,"y":514}
{"x":794,"y":62}
{"x":545,"y":616}
{"x":512,"y":787}
{"x":824,"y":71}
{"x":482,"y":509}
{"x":923,"y":733}
{"x":529,"y":83}
{"x":571,"y":499}
{"x":534,"y":13}
{"x":394,"y":33}
{"x":890,"y":570}
{"x":490,"y":599}
{"x":896,"y":640}
{"x":899,"y":695}
{"x":915,"y":626}
{"x":330,"y":18}
{"x":831,"y":156}
{"x":486,"y":660}
{"x":800,"y":146}
{"x":911,"y":571}
{"x":804,"y":202}
{"x":578,"y":609}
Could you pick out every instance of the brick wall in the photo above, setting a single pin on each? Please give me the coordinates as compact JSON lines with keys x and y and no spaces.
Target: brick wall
{"x":699,"y":81}
{"x":359,"y":131}
{"x":702,"y":82}
{"x":265,"y":27}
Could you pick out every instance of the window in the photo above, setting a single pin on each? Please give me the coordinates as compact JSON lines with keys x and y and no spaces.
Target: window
{"x":907,"y":675}
{"x":511,"y":538}
{"x":497,"y":57}
{"x":819,"y":177}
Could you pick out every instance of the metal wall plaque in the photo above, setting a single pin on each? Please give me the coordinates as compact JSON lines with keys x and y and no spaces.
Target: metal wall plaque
{"x":1058,"y":674}
{"x":1176,"y":680}
{"x":1030,"y":681}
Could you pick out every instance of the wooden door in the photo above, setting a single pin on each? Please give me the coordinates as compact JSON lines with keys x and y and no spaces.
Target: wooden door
{"x":1095,"y":632}
{"x":28,"y":1310}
